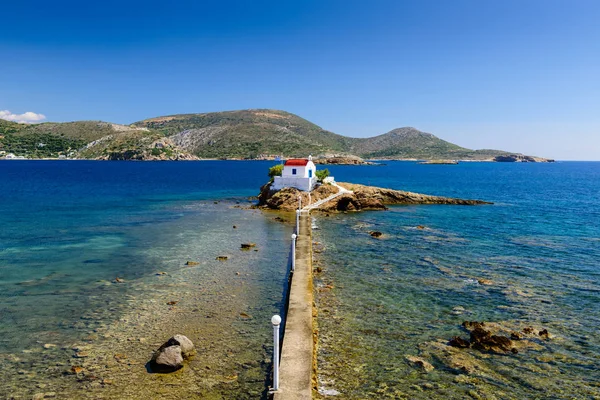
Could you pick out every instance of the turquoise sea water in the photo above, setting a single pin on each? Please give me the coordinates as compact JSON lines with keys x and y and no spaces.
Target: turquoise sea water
{"x":407,"y":294}
{"x":69,"y":228}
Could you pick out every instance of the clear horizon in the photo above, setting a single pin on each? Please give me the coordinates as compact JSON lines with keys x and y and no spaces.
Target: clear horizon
{"x":515,"y":76}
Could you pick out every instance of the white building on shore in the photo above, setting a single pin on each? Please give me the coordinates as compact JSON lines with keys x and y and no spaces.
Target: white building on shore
{"x":297,"y":172}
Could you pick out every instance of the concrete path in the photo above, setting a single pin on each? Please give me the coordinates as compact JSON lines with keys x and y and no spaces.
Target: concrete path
{"x":325,"y":200}
{"x":297,"y":352}
{"x":296,"y":365}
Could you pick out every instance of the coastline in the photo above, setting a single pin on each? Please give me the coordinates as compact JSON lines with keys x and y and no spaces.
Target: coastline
{"x":368,"y":162}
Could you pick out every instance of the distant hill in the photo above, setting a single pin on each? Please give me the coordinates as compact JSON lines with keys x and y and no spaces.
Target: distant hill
{"x":250,"y":134}
{"x":247,"y":134}
{"x":86,"y":139}
{"x":412,"y":143}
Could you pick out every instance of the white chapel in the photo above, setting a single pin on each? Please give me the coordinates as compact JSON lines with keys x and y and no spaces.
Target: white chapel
{"x":297,"y":172}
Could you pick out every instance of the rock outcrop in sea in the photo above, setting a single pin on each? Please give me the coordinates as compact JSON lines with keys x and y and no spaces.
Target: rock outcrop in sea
{"x":520,"y":158}
{"x":361,"y":198}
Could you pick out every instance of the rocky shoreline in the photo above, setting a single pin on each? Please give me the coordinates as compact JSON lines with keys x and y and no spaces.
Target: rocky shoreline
{"x":521,"y":158}
{"x":342,"y":160}
{"x":362,"y":198}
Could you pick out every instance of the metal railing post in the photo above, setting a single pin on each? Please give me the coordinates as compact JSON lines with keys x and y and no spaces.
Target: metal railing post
{"x":294,"y":236}
{"x":276,"y":320}
{"x":297,"y":222}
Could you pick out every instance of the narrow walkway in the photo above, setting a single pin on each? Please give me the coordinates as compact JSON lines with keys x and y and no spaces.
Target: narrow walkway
{"x":325,"y":200}
{"x":297,"y":351}
{"x":296,"y":365}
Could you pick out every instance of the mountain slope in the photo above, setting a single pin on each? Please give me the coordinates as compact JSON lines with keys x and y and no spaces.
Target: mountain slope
{"x":411,"y":143}
{"x":86,"y":139}
{"x":247,"y":134}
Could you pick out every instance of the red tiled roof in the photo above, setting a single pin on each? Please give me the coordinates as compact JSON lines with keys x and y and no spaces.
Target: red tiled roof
{"x":299,"y":162}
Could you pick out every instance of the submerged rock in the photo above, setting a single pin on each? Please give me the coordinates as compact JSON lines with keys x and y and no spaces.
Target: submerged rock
{"x":458,"y":310}
{"x":192,"y":263}
{"x":419,"y":362}
{"x":248,"y":246}
{"x":76,"y":369}
{"x":482,"y":339}
{"x":375,"y":234}
{"x":459,"y":342}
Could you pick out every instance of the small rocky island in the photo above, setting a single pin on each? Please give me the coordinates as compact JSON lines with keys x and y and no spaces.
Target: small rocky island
{"x":359,"y":197}
{"x":521,"y":158}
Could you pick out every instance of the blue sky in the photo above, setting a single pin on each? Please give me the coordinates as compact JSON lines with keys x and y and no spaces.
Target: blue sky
{"x":522,"y":76}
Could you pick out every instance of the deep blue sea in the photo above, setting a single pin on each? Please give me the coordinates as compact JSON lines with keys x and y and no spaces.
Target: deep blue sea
{"x":70,"y":228}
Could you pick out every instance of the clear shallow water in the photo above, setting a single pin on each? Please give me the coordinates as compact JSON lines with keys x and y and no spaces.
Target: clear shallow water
{"x":407,"y":294}
{"x":70,"y":228}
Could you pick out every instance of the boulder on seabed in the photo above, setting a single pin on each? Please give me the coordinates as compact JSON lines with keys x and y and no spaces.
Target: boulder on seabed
{"x":187,"y":347}
{"x":169,"y":357}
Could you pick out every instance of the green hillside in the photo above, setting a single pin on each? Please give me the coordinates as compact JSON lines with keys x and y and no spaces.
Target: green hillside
{"x":412,"y":143}
{"x":229,"y":134}
{"x":81,"y":139}
{"x":247,"y":134}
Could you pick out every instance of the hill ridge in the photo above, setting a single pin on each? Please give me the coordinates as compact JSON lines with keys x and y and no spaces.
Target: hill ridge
{"x":249,"y":133}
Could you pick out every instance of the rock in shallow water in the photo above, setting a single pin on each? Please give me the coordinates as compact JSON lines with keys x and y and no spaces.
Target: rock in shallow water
{"x":459,"y":342}
{"x":168,"y":359}
{"x":187,"y":347}
{"x":419,"y":362}
{"x":483,"y":339}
